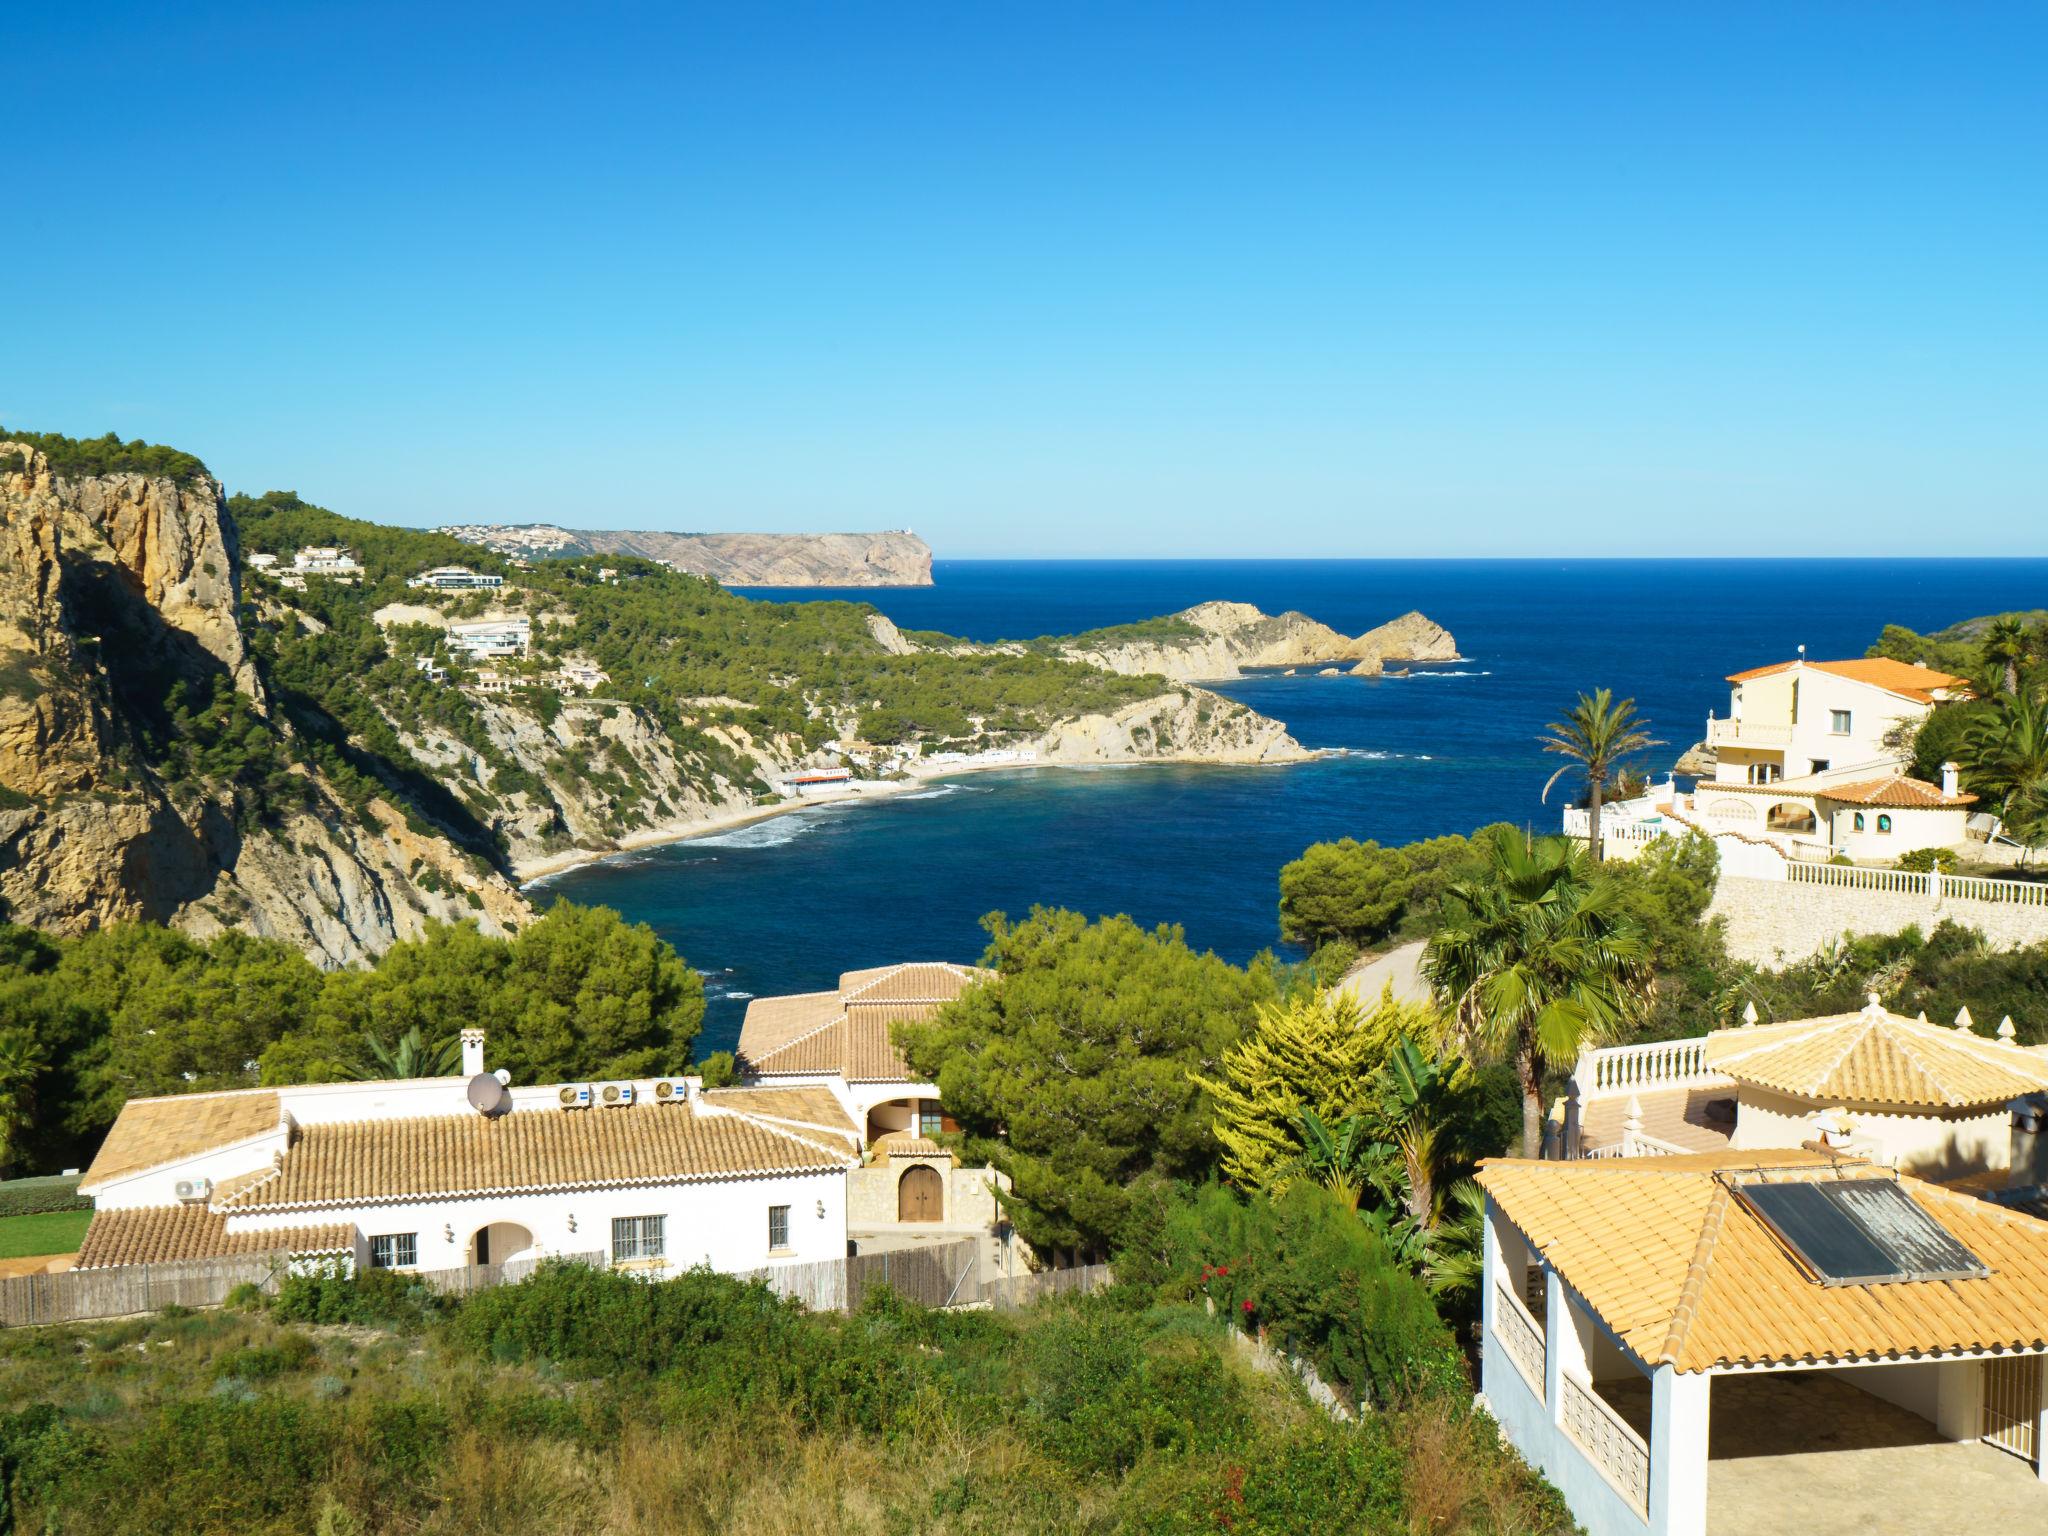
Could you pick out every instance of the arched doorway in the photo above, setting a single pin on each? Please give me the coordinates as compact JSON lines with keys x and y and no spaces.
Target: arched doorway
{"x":920,"y":1194}
{"x":499,"y":1242}
{"x":1791,"y":816}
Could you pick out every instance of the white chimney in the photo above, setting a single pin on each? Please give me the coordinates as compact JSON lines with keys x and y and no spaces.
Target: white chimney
{"x":472,"y":1052}
{"x":1950,"y":783}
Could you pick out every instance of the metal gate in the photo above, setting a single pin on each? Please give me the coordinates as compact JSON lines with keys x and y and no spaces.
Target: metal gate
{"x":2012,"y":1403}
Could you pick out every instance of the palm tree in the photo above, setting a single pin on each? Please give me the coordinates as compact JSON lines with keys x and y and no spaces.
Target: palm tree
{"x":2007,"y":755}
{"x":1536,"y":960}
{"x":2008,"y":646}
{"x":1596,"y":736}
{"x":412,"y":1056}
{"x":22,"y":1061}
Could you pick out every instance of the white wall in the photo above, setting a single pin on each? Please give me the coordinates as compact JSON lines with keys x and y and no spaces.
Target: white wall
{"x":159,"y":1186}
{"x":721,"y":1223}
{"x":1925,"y":1144}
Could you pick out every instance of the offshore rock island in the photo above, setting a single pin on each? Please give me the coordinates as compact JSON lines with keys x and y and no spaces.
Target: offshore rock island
{"x":254,"y":713}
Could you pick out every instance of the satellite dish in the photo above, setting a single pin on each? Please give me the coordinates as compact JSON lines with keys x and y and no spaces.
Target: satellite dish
{"x":487,"y":1096}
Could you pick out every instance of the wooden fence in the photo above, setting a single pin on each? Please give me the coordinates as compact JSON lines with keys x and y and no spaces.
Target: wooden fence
{"x":1022,"y":1290}
{"x":934,"y":1275}
{"x":79,"y":1295}
{"x":481,"y":1277}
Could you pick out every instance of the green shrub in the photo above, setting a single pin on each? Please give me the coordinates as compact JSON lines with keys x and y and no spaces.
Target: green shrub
{"x":289,"y":1351}
{"x":329,"y":1293}
{"x":1926,"y":860}
{"x":34,"y":1197}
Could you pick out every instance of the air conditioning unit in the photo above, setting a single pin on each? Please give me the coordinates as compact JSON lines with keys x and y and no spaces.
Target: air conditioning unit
{"x":611,"y":1095}
{"x":671,"y":1090}
{"x":193,"y":1191}
{"x":573,"y":1096}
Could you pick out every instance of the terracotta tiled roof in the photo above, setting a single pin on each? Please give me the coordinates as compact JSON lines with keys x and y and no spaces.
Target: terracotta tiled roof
{"x":1904,"y":678}
{"x":772,"y":1022}
{"x":151,"y":1133}
{"x":1878,"y":1057}
{"x":1899,"y":791}
{"x":1684,"y":1273}
{"x":848,"y":1031}
{"x":1675,"y":1115}
{"x":371,"y":1161}
{"x":912,"y":1146}
{"x":815,"y":1108}
{"x":163,"y":1234}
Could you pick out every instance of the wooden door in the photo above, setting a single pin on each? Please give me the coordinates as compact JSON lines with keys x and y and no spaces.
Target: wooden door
{"x":919,"y":1195}
{"x":2012,"y":1399}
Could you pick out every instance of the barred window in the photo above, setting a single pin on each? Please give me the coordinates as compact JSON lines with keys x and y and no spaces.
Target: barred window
{"x":639,"y":1237}
{"x":778,"y":1226}
{"x":395,"y":1250}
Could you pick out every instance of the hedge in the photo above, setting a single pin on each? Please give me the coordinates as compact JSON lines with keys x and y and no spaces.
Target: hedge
{"x":32,"y":1197}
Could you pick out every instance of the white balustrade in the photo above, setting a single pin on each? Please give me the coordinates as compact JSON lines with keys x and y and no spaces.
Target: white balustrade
{"x":1520,"y":1335}
{"x":1659,"y":1064}
{"x":1936,"y":888}
{"x":1608,"y":1441}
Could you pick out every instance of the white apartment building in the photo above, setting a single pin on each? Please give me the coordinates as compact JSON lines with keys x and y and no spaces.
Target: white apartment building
{"x":455,"y":578}
{"x":326,"y":560}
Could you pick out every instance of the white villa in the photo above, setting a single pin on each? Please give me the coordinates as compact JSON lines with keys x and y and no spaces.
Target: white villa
{"x":1802,"y":770}
{"x":1929,"y":1099}
{"x":455,"y":578}
{"x":440,"y":1173}
{"x":499,"y":635}
{"x":908,"y":1187}
{"x":326,"y":560}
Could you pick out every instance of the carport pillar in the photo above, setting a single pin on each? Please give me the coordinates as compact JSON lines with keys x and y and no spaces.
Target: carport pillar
{"x":1680,"y":1405}
{"x":1959,"y":1400}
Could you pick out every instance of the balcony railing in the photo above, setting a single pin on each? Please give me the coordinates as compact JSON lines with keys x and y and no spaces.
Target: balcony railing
{"x":1660,"y":1064}
{"x":1608,"y":1441}
{"x":1744,"y":733}
{"x":1520,"y":1335}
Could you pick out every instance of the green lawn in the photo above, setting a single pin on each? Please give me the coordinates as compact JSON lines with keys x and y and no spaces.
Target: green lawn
{"x":51,"y":1232}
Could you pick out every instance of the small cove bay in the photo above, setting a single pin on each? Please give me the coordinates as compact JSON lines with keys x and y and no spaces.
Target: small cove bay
{"x":786,"y":904}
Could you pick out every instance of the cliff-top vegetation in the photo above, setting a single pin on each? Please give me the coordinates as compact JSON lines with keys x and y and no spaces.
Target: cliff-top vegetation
{"x":75,"y":457}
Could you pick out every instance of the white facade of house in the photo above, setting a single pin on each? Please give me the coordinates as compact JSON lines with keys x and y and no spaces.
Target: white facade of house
{"x":731,"y":1219}
{"x":483,"y":639}
{"x":326,"y":560}
{"x":455,"y":578}
{"x":1800,"y":719}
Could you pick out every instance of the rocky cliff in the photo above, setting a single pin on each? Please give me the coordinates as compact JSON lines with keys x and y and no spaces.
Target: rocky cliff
{"x":119,"y":595}
{"x":1214,"y":642}
{"x":897,"y":559}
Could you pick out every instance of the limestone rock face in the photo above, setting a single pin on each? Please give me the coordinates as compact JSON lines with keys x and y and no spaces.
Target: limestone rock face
{"x":1217,"y":641}
{"x":115,"y":588}
{"x":1184,"y":725}
{"x":1411,"y":637}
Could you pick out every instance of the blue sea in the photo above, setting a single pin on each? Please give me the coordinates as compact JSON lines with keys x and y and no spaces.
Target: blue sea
{"x":785,"y":905}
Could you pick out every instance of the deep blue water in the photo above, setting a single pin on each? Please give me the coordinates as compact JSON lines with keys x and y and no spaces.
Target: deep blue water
{"x":785,"y":905}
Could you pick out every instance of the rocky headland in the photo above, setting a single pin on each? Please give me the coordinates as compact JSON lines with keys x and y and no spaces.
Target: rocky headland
{"x":1216,"y":642}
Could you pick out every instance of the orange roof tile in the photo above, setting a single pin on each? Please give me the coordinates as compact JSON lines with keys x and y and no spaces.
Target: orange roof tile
{"x":848,"y":1031}
{"x":1878,"y":1057}
{"x":165,"y":1234}
{"x":1899,"y":791}
{"x":373,"y":1161}
{"x":1907,"y":679}
{"x":1686,"y":1274}
{"x":814,"y":1108}
{"x":153,"y":1133}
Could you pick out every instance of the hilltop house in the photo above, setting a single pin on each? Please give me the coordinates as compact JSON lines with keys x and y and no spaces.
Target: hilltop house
{"x":327,"y":560}
{"x":1930,"y":1099}
{"x":1765,"y":1342}
{"x":908,"y":1187}
{"x":438,"y":1173}
{"x":500,"y":635}
{"x":455,"y":578}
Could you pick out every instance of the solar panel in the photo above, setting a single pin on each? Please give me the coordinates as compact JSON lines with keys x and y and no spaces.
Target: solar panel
{"x":1859,"y":1231}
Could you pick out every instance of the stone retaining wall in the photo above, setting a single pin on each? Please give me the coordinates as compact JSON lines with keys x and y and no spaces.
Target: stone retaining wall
{"x":1777,"y":922}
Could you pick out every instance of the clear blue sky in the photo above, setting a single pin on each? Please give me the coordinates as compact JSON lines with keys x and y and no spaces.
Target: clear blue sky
{"x":1066,"y":280}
